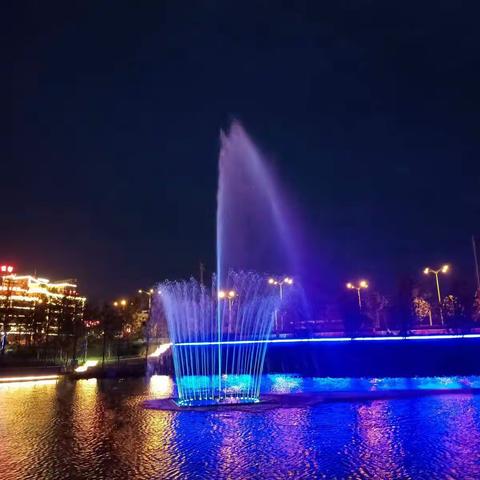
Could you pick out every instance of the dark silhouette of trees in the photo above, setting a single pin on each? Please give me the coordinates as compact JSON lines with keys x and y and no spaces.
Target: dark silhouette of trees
{"x":351,"y":314}
{"x":112,"y":322}
{"x":453,"y":312}
{"x":402,"y":308}
{"x":476,"y":308}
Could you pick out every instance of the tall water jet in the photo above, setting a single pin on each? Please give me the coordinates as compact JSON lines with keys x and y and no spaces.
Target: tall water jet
{"x":219,"y":334}
{"x":253,"y":233}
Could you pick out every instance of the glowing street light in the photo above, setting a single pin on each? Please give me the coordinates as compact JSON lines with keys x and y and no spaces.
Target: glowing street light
{"x":229,"y":296}
{"x":120,"y":303}
{"x":444,"y":269}
{"x":149,"y":294}
{"x":280,"y":283}
{"x":146,"y":292}
{"x":361,"y":285}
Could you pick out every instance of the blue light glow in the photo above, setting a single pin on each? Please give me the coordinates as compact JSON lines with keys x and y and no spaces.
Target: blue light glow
{"x":332,"y":339}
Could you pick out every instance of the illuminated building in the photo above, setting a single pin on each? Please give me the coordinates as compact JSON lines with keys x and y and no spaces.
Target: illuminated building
{"x":35,"y":308}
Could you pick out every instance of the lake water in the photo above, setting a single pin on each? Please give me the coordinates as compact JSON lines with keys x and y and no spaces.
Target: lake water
{"x":92,"y":429}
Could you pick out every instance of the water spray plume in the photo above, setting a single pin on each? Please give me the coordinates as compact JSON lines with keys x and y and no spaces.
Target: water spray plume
{"x":219,"y":334}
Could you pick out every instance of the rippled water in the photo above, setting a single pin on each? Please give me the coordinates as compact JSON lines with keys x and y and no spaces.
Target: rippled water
{"x":93,"y":429}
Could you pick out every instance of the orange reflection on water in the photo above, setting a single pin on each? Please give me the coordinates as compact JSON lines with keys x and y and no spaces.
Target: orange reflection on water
{"x":85,"y":417}
{"x":26,"y":384}
{"x":161,"y":386}
{"x":20,"y":401}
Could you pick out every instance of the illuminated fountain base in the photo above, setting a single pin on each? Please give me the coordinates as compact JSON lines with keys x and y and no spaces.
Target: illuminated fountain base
{"x":226,"y":404}
{"x":212,"y":402}
{"x":302,"y":400}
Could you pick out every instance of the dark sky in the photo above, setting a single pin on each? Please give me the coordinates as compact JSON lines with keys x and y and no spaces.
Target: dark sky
{"x":370,"y":111}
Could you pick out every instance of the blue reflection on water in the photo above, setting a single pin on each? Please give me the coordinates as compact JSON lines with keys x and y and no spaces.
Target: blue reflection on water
{"x":288,"y":383}
{"x":291,"y":383}
{"x":433,"y":437}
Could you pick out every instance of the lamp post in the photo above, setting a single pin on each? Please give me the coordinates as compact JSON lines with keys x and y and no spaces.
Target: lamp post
{"x":229,"y":296}
{"x":120,"y":304}
{"x":149,"y":294}
{"x":279,"y":283}
{"x":443,"y":269}
{"x":361,"y":285}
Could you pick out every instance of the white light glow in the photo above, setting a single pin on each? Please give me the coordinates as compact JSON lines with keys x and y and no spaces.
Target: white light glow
{"x":86,"y":366}
{"x":29,"y":378}
{"x":160,"y":349}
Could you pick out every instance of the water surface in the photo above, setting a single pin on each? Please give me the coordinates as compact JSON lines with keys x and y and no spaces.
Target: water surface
{"x":92,"y":429}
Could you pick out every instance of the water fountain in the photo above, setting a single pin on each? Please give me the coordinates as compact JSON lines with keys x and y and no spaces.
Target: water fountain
{"x":219,"y":333}
{"x":218,"y":337}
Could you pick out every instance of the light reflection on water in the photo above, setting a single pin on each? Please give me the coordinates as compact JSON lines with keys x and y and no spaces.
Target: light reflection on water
{"x":99,"y":429}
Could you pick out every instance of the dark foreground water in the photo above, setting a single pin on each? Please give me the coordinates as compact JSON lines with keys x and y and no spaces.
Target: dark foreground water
{"x":93,"y":429}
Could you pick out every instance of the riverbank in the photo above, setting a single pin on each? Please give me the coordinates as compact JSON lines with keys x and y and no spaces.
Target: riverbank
{"x":332,"y":357}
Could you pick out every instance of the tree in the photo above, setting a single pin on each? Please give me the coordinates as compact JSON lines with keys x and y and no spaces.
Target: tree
{"x":375,"y":305}
{"x":476,"y":307}
{"x":402,"y":304}
{"x":453,"y":311}
{"x":422,"y":309}
{"x":350,"y":312}
{"x":111,"y":321}
{"x":70,"y":324}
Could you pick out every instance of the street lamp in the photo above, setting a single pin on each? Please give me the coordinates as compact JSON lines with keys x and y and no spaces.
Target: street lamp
{"x":149,"y":294}
{"x":362,"y":284}
{"x":279,"y":283}
{"x":224,"y":294}
{"x":120,"y":303}
{"x":443,"y":269}
{"x":229,"y":296}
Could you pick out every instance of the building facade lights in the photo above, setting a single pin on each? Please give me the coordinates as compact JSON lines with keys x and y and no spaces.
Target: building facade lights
{"x":33,"y":306}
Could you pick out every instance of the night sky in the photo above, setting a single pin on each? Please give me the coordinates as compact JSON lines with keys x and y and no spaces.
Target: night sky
{"x":368,"y":110}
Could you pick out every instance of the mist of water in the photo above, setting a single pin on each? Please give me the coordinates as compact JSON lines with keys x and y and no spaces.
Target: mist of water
{"x":253,"y":233}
